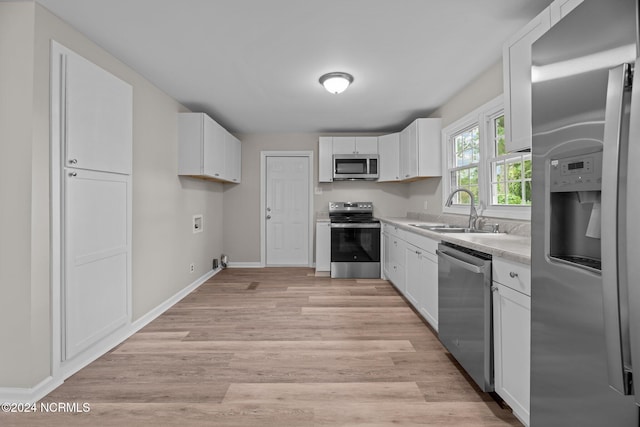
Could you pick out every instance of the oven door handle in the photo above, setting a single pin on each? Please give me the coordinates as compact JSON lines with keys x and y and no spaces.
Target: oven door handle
{"x":354,"y":225}
{"x":460,"y":263}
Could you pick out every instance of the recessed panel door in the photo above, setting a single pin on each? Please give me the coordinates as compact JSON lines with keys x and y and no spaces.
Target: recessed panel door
{"x":98,"y":117}
{"x":287,"y":211}
{"x":96,"y":257}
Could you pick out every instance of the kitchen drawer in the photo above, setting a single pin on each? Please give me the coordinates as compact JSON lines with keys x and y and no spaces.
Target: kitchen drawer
{"x":512,"y":274}
{"x":394,"y":231}
{"x":424,"y":243}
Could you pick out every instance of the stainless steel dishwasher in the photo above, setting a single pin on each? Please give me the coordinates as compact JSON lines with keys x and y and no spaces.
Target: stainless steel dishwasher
{"x":464,"y":304}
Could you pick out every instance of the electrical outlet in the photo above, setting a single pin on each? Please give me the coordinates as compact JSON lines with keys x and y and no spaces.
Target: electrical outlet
{"x":192,"y":268}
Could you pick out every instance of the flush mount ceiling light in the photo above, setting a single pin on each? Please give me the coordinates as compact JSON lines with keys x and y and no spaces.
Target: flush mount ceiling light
{"x":336,"y":82}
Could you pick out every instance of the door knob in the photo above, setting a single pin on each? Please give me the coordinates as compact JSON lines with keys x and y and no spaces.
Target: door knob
{"x":268,"y":209}
{"x":268,"y":216}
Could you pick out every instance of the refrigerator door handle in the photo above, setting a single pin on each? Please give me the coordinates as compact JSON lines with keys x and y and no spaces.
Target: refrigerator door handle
{"x":615,"y":308}
{"x":633,"y":228}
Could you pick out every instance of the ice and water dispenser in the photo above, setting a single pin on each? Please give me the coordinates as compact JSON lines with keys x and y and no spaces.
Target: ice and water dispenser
{"x":575,"y":184}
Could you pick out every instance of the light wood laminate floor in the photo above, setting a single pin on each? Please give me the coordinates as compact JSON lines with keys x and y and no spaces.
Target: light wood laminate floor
{"x":277,"y":347}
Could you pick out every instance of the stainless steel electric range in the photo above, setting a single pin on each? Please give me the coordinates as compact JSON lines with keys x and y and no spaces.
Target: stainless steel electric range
{"x":355,"y":240}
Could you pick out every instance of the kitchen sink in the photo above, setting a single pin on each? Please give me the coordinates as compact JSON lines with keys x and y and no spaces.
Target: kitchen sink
{"x":448,"y":229}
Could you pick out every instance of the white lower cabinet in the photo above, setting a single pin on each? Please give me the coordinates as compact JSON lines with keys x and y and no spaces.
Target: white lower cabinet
{"x":393,"y":256}
{"x":411,"y":264}
{"x":413,"y":273}
{"x":323,"y":246}
{"x":396,"y":254}
{"x":429,"y":302}
{"x":512,"y":336}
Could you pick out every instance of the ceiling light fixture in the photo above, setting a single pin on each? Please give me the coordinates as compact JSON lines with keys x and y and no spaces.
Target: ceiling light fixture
{"x":336,"y":82}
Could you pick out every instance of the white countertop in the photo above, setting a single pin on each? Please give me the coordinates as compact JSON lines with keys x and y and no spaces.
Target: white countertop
{"x":510,"y":246}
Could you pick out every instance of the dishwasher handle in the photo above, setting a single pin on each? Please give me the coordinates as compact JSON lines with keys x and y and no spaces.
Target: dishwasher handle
{"x":460,"y":263}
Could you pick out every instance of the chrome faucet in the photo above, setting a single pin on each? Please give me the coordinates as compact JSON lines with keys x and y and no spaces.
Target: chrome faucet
{"x":473,"y":214}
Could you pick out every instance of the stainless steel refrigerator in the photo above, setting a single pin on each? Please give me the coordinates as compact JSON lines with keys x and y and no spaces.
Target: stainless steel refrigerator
{"x":585,"y":296}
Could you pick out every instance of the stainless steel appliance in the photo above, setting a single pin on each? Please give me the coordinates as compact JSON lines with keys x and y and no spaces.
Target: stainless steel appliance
{"x":464,"y":310}
{"x":349,"y":167}
{"x":585,"y":296}
{"x":355,"y":240}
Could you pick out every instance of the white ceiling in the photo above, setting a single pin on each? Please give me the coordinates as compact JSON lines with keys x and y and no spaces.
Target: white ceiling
{"x":253,"y":65}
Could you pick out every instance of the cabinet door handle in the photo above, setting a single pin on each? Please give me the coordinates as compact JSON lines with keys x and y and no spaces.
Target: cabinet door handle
{"x":73,"y":174}
{"x":73,"y":161}
{"x":406,"y":176}
{"x":494,"y":289}
{"x":513,"y":274}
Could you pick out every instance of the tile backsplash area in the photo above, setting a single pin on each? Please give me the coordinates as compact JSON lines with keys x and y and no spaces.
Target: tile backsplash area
{"x":518,"y":228}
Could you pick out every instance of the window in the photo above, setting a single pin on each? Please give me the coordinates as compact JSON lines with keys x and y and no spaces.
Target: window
{"x":466,"y":159}
{"x":510,"y":173}
{"x":476,"y":159}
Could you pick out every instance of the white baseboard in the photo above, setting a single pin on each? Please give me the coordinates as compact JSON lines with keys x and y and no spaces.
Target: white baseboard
{"x":29,"y":395}
{"x":245,"y":265}
{"x":46,"y":386}
{"x":153,"y":314}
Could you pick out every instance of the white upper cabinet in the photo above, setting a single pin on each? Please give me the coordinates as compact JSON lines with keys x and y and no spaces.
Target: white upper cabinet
{"x":343,"y":144}
{"x":330,"y":145}
{"x":99,"y":118}
{"x":355,"y":145}
{"x":420,"y":149}
{"x":389,"y":155}
{"x":233,"y":155}
{"x":212,"y":162}
{"x":207,"y":150}
{"x":516,"y":63}
{"x":366,"y":145}
{"x":325,"y":159}
{"x":409,"y":155}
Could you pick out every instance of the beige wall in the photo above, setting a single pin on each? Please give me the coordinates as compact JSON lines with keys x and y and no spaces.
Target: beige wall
{"x":16,"y":108}
{"x":483,"y":89}
{"x":242,"y":202}
{"x":163,"y":204}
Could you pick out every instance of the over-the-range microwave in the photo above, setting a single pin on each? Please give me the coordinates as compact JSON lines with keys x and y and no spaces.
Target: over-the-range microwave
{"x":355,"y":167}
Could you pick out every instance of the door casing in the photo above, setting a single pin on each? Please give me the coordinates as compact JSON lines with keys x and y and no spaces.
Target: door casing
{"x":263,"y":200}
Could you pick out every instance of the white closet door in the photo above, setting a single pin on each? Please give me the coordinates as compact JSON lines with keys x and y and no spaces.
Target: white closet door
{"x":96,"y":256}
{"x":92,"y":139}
{"x":98,"y":117}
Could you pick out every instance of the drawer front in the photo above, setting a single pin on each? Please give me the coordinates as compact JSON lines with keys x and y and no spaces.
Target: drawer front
{"x":512,"y":274}
{"x":394,"y":231}
{"x":422,"y":242}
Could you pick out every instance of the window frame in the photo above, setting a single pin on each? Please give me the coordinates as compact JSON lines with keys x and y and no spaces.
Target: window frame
{"x":482,"y":117}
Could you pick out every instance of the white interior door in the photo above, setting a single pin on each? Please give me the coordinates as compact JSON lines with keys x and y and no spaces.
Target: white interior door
{"x":287,"y":210}
{"x":98,"y":117}
{"x":96,"y":257}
